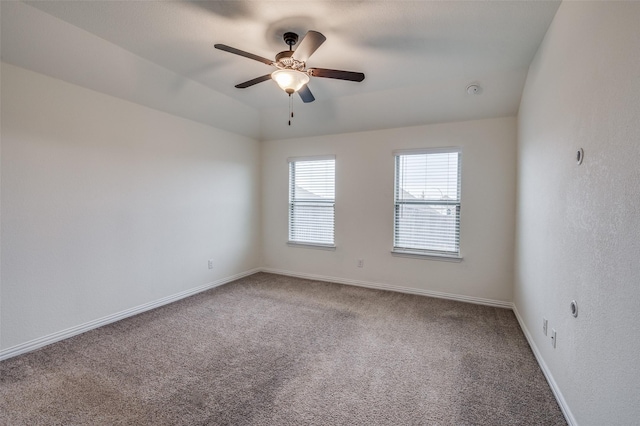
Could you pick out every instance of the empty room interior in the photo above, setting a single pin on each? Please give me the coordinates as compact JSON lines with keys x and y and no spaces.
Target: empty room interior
{"x":320,"y":212}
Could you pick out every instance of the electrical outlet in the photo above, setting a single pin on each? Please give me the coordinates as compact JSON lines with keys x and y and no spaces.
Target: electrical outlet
{"x":553,"y":338}
{"x":544,"y":326}
{"x":360,"y":263}
{"x":210,"y":263}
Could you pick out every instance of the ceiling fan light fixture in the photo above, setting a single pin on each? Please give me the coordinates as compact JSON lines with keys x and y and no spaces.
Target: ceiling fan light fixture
{"x":290,"y":80}
{"x":292,"y":75}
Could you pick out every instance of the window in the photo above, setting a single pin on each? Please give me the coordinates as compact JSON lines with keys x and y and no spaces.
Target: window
{"x":312,"y":201}
{"x":427,"y":202}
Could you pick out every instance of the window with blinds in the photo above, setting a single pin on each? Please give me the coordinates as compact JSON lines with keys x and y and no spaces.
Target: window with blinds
{"x":312,"y":201}
{"x":427,"y":202}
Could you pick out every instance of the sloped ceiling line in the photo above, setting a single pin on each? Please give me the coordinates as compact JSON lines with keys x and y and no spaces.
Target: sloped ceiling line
{"x":418,"y":58}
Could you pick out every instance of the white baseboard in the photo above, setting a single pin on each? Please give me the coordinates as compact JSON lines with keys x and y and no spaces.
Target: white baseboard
{"x":396,"y":288}
{"x":568,"y":415}
{"x":78,"y":329}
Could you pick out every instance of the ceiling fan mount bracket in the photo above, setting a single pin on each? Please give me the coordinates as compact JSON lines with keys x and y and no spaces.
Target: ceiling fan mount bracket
{"x":290,"y":38}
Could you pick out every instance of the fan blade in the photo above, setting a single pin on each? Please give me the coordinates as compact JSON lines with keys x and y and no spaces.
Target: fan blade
{"x":338,"y":74}
{"x":309,"y":44}
{"x":306,"y":95}
{"x":254,"y":81}
{"x":243,"y":53}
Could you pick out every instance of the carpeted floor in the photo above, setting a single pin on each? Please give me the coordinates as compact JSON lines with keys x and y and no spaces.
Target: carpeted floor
{"x":274,"y":350}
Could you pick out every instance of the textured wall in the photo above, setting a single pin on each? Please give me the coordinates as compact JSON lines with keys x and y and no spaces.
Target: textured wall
{"x":107,"y":205}
{"x":579,"y":226}
{"x":364,"y":208}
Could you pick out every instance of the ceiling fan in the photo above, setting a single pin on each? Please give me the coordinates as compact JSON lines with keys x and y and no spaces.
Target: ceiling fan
{"x":292,"y":74}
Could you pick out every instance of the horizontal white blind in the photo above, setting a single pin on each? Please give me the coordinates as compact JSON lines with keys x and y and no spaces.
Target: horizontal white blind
{"x":427,"y":202}
{"x":312,"y":201}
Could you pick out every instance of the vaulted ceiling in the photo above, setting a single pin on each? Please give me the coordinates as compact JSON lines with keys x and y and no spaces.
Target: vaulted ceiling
{"x":418,"y":57}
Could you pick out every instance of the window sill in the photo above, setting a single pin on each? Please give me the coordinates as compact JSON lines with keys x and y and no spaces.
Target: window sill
{"x":426,"y":256}
{"x":330,"y":247}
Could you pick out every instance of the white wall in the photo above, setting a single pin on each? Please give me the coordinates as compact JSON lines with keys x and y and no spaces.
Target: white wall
{"x":107,"y":205}
{"x":364,"y":208}
{"x":579,"y":226}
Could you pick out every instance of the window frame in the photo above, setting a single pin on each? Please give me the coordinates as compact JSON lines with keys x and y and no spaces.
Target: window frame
{"x":449,"y":256}
{"x":292,"y":201}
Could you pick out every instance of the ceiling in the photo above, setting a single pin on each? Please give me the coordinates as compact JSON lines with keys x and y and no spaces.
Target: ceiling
{"x":418,"y":57}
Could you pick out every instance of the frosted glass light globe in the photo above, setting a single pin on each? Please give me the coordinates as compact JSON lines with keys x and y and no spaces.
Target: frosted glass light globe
{"x":290,"y":80}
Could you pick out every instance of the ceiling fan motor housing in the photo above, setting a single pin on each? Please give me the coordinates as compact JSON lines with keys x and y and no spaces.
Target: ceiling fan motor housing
{"x":285,"y":60}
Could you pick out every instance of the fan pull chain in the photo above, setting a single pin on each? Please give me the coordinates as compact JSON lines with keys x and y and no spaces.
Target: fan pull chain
{"x":290,"y":108}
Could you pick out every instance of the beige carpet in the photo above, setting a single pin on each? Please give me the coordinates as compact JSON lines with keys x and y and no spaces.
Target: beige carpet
{"x":274,"y":350}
